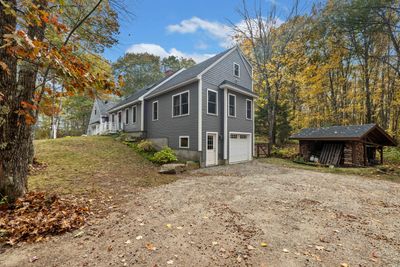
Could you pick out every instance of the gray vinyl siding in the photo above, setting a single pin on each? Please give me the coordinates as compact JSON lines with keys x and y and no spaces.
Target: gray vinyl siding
{"x":132,"y":127}
{"x":171,"y":128}
{"x":95,"y":116}
{"x":224,"y":71}
{"x":211,"y":80}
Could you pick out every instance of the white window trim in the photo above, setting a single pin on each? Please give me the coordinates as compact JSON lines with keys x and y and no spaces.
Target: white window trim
{"x":184,"y":136}
{"x":134,"y":117}
{"x":126,"y":117}
{"x":216,"y":103}
{"x":152,"y":111}
{"x":234,"y":64}
{"x":180,"y":103}
{"x":229,"y":115}
{"x":251,"y":113}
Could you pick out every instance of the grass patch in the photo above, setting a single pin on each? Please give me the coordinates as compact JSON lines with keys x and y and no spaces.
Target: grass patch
{"x":92,"y":165}
{"x":380,"y":172}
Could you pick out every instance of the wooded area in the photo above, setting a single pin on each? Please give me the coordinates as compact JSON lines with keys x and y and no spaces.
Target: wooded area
{"x":338,"y":65}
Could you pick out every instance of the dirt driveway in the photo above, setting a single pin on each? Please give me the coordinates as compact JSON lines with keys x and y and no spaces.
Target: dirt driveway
{"x":251,"y":214}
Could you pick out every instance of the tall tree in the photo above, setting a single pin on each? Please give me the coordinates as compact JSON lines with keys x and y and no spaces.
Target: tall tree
{"x":36,"y":46}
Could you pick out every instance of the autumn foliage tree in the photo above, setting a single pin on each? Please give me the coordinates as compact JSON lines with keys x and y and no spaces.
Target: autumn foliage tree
{"x":40,"y":42}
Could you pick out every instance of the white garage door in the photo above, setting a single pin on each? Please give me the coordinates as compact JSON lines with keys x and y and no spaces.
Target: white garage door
{"x":239,"y":147}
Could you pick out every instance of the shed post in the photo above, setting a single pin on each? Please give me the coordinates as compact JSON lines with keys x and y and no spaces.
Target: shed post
{"x":381,"y":151}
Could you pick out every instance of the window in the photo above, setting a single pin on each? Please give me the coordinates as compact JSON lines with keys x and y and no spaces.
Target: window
{"x":155,"y":110}
{"x":236,"y":70}
{"x":212,"y":99}
{"x":210,"y":142}
{"x":180,"y":104}
{"x":249,"y":109}
{"x":127,"y":116}
{"x":113,"y":118}
{"x":232,"y":105}
{"x":134,"y":116}
{"x":183,"y":141}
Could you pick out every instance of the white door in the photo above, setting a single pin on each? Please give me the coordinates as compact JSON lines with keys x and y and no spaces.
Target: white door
{"x":212,"y":149}
{"x":239,"y":147}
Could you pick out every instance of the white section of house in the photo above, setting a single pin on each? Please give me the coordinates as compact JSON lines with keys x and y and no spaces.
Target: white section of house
{"x":240,"y":147}
{"x":212,"y":148}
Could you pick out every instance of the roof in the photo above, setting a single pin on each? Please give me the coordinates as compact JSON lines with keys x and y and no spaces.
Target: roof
{"x":189,"y":73}
{"x":237,"y":87}
{"x":104,"y":105}
{"x":366,"y":132}
{"x":137,"y":94}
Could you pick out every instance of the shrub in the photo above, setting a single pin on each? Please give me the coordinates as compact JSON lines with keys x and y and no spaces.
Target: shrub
{"x":145,"y":146}
{"x":166,"y":155}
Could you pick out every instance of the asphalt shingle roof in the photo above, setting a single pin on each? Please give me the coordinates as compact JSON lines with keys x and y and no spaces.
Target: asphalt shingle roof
{"x":189,"y":73}
{"x":339,"y":132}
{"x":104,"y":106}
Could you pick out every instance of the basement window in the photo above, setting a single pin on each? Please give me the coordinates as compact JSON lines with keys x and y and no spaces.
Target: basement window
{"x":183,"y":141}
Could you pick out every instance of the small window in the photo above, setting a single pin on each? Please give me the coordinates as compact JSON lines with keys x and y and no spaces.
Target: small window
{"x":155,"y":110}
{"x":249,"y":109}
{"x":210,"y":142}
{"x":95,"y":111}
{"x":113,"y":118}
{"x":232,"y":105}
{"x":183,"y":141}
{"x":236,"y":70}
{"x":212,"y":98}
{"x":180,"y":104}
{"x":234,"y":136}
{"x":127,"y":116}
{"x":243,"y":136}
{"x":134,"y":114}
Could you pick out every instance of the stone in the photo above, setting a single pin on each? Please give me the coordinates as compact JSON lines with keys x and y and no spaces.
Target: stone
{"x":172,"y":168}
{"x":192,"y":165}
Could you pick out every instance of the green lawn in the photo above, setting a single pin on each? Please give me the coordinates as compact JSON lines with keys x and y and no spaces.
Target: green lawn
{"x":390,"y":172}
{"x":91,"y":166}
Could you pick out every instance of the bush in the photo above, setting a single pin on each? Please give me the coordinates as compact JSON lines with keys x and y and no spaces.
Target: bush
{"x":166,"y":155}
{"x":145,"y":146}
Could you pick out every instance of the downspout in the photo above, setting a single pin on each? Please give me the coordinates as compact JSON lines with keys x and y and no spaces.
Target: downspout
{"x":225,"y":123}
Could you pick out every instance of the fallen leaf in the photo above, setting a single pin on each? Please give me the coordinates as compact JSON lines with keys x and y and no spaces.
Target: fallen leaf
{"x":263,"y":244}
{"x":139,"y":237}
{"x":79,"y":234}
{"x":214,"y":243}
{"x":150,"y":246}
{"x":170,"y":262}
{"x":344,"y":265}
{"x":250,"y":247}
{"x":285,"y":250}
{"x":319,"y":248}
{"x":169,"y":225}
{"x":33,"y":259}
{"x":179,"y":227}
{"x":128,"y":241}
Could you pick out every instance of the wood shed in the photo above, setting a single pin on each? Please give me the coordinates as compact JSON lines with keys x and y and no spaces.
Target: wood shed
{"x":353,"y":145}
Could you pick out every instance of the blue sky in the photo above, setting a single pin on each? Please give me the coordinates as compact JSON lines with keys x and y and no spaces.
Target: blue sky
{"x":196,"y":29}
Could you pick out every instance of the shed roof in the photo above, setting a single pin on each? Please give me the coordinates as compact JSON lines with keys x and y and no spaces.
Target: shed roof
{"x":367,"y":132}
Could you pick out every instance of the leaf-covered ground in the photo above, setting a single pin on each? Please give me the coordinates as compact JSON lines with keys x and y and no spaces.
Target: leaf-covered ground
{"x":252,"y":214}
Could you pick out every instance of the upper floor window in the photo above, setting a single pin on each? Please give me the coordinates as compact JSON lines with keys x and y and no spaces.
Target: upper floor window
{"x":155,"y":110}
{"x":180,"y":104}
{"x":249,"y":109}
{"x":134,"y":114}
{"x":95,"y":111}
{"x":127,"y":116}
{"x":232,"y":105}
{"x":212,"y":102}
{"x":236,"y":70}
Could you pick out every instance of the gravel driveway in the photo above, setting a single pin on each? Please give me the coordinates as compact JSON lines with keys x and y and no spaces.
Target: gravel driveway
{"x":250,"y":214}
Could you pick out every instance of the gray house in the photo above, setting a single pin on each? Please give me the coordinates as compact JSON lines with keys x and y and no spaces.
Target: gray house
{"x":204,"y":113}
{"x":99,"y":117}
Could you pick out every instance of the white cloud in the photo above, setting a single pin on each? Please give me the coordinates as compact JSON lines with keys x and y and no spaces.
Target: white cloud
{"x":157,"y":50}
{"x":217,"y":30}
{"x":223,"y":33}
